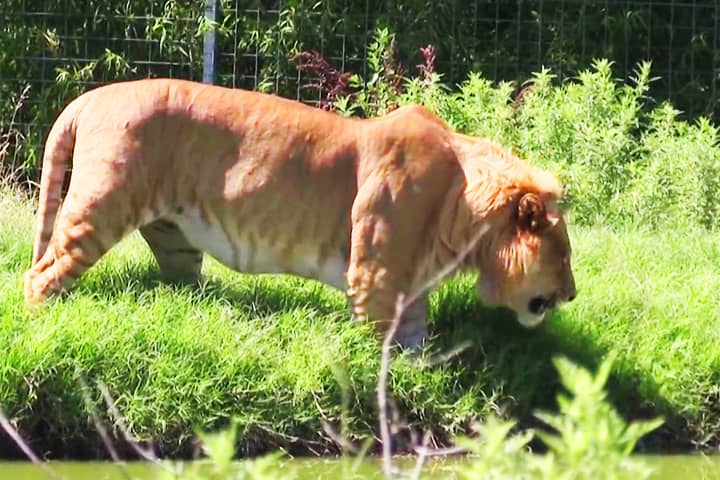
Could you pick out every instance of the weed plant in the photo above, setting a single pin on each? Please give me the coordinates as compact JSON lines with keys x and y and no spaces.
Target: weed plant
{"x":623,"y":161}
{"x":589,"y":440}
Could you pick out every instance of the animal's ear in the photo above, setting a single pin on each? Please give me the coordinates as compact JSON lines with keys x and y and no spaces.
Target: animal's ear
{"x":532,"y":214}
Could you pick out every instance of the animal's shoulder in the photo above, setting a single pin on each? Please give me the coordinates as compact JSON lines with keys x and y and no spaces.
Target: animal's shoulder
{"x":417,"y":114}
{"x":411,"y":128}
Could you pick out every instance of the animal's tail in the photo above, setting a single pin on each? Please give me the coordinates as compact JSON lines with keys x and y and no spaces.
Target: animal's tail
{"x":58,"y":152}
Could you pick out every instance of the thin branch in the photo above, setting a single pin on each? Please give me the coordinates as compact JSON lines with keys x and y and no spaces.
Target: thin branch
{"x":422,"y":454}
{"x":291,"y":438}
{"x":446,"y":270}
{"x":5,"y":137}
{"x":439,"y":452}
{"x":15,"y":436}
{"x":382,"y":394}
{"x":448,"y":355}
{"x":341,"y":441}
{"x":402,"y":303}
{"x":132,"y":441}
{"x":100,"y":428}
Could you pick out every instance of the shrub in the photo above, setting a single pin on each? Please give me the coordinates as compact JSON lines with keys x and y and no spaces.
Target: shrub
{"x":584,"y":130}
{"x":591,"y":440}
{"x":622,"y":162}
{"x":677,"y":177}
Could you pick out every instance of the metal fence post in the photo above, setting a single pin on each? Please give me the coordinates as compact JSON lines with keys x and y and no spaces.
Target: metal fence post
{"x":211,"y":8}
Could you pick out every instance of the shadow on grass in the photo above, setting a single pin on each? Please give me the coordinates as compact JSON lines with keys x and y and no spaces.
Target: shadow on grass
{"x":257,"y":295}
{"x":519,"y":363}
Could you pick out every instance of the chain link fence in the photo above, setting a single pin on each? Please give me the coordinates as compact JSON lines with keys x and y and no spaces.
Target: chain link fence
{"x":52,"y":50}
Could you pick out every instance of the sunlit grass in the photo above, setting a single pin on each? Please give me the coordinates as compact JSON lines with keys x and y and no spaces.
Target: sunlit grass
{"x":263,"y":349}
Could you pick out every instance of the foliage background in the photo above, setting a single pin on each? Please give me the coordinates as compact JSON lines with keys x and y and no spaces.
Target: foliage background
{"x":627,"y":157}
{"x":62,"y":47}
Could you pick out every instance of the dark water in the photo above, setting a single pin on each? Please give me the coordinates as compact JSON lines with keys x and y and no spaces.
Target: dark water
{"x":667,"y":467}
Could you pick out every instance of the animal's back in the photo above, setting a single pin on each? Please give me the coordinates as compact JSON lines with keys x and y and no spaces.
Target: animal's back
{"x":249,"y":178}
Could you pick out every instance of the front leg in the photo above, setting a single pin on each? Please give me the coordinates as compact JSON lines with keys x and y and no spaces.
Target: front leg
{"x":412,"y":331}
{"x":374,"y":292}
{"x":381,"y":269}
{"x":394,"y":218}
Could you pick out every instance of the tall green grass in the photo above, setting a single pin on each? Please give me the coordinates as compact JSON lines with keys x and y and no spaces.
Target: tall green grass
{"x":266,"y":349}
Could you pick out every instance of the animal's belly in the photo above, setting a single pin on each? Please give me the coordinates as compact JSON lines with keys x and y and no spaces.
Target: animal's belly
{"x":250,"y":253}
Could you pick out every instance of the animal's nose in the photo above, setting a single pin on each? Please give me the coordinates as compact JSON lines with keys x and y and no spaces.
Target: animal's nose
{"x":571,"y":295}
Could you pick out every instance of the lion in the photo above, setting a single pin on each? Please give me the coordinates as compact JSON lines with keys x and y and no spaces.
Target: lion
{"x":375,"y":207}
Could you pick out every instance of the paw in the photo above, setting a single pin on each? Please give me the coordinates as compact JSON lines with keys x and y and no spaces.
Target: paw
{"x":33,"y":296}
{"x":412,"y":336}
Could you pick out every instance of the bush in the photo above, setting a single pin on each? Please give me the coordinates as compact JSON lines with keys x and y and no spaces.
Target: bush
{"x":676,"y":178}
{"x":584,"y":130}
{"x":622,"y":162}
{"x":63,"y":47}
{"x":591,"y":440}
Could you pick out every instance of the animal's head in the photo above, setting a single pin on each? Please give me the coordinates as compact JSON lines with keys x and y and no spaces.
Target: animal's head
{"x":526,"y":266}
{"x":507,"y":213}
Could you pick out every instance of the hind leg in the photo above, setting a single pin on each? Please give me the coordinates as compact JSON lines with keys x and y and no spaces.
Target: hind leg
{"x":76,"y":244}
{"x":178,"y":260}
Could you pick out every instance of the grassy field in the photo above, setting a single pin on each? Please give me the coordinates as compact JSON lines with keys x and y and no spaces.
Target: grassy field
{"x":272,"y":351}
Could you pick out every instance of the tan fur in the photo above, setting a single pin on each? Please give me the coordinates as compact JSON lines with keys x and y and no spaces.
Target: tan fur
{"x":274,"y":185}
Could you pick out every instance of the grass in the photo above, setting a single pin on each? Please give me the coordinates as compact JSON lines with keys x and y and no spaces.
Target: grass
{"x":263,"y":349}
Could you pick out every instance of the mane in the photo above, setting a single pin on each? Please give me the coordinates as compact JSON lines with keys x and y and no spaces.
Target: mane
{"x":496,"y":175}
{"x":496,"y":180}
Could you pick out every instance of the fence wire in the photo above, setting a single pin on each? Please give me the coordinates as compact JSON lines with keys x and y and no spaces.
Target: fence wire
{"x":63,"y":47}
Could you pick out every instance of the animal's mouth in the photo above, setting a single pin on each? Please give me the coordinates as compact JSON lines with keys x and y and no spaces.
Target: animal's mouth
{"x":537,"y":307}
{"x":530,"y":320}
{"x":540,"y":304}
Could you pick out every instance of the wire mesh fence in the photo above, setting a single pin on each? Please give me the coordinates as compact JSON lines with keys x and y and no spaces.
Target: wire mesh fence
{"x":60,"y":48}
{"x":55,"y":49}
{"x":505,"y":40}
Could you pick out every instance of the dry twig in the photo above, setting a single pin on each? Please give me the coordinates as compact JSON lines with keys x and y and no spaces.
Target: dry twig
{"x":403,"y":302}
{"x":9,"y":131}
{"x":15,"y":436}
{"x":102,"y":431}
{"x":146,"y":454}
